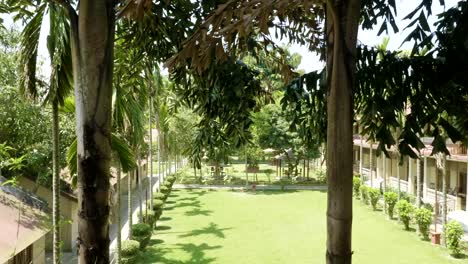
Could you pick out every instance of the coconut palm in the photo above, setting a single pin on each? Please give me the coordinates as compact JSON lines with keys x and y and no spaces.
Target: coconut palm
{"x":55,"y":90}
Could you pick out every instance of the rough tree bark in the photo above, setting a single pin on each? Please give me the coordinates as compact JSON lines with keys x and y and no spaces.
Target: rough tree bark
{"x":92,"y":35}
{"x":341,"y":36}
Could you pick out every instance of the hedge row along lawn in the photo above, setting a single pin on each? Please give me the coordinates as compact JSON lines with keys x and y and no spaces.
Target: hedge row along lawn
{"x":201,"y":226}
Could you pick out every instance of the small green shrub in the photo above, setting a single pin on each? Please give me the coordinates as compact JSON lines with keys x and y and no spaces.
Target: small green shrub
{"x":405,"y":209}
{"x":423,"y":218}
{"x":165,"y":190}
{"x":364,"y":194}
{"x":142,"y":233}
{"x":408,"y":197}
{"x":356,"y":186}
{"x":130,"y":248}
{"x":283,"y":182}
{"x":321,"y":176}
{"x":428,"y":206}
{"x":130,"y":251}
{"x":374,"y":195}
{"x":390,"y":199}
{"x":149,"y":217}
{"x":158,"y":195}
{"x":170,"y":179}
{"x":453,"y":234}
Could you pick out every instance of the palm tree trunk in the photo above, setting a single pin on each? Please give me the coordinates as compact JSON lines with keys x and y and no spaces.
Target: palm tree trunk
{"x":342,"y":19}
{"x":119,"y":217}
{"x":418,"y":182}
{"x":159,"y":159}
{"x":399,"y":180}
{"x":371,"y":163}
{"x":92,"y":42}
{"x":150,"y":151}
{"x":140,"y":189}
{"x":56,"y":182}
{"x":444,"y":189}
{"x":130,"y":207}
{"x":360,"y":157}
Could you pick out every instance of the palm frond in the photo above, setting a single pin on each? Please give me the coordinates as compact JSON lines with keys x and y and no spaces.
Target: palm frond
{"x":28,"y":53}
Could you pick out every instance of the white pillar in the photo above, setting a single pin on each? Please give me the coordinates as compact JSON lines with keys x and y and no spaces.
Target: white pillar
{"x":466,"y":207}
{"x":377,"y":167}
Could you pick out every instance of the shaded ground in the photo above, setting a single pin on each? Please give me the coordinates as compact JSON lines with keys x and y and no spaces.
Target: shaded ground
{"x":209,"y":226}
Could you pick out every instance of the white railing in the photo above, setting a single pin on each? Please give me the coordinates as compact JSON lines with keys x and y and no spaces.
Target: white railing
{"x":451,"y":200}
{"x":403,"y":184}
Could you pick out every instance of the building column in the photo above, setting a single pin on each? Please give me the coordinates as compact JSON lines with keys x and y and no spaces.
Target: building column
{"x":410,"y":176}
{"x":418,"y":181}
{"x":425,"y":179}
{"x":377,"y":168}
{"x":466,"y":199}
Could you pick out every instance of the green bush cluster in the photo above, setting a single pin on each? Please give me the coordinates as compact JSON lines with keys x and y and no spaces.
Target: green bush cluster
{"x":374,"y":196}
{"x":364,"y":194}
{"x":405,"y":211}
{"x":158,"y":206}
{"x":356,"y":186}
{"x":390,"y":198}
{"x":423,"y":218}
{"x":129,"y":251}
{"x":158,"y":195}
{"x":453,"y":234}
{"x":149,"y":217}
{"x":141,"y":232}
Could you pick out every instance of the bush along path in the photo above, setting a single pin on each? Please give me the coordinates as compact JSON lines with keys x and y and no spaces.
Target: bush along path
{"x":141,"y":231}
{"x":409,"y":215}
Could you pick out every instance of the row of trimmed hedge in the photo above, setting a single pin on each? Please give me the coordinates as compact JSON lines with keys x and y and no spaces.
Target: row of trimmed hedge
{"x":142,"y":232}
{"x":407,"y":213}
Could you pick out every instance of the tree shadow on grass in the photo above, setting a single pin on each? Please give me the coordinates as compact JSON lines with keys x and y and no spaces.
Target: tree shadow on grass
{"x":197,"y":192}
{"x":170,"y":202}
{"x":160,"y":254}
{"x":165,"y":218}
{"x":211,"y":229}
{"x":193,"y":203}
{"x":198,"y":211}
{"x":155,"y":242}
{"x":162,"y":228}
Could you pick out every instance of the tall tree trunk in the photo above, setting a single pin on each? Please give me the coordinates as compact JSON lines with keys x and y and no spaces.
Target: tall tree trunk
{"x":119,"y":217}
{"x":56,"y":181}
{"x":399,"y":180}
{"x":371,"y":163}
{"x":130,"y":204}
{"x":159,"y":155}
{"x":444,"y":189}
{"x":418,"y":182}
{"x":341,"y":29}
{"x":140,"y":189}
{"x":360,"y":157}
{"x":151,"y":149}
{"x":92,"y":35}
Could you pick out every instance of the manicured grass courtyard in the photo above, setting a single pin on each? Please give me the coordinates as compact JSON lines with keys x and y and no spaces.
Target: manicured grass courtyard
{"x":201,"y":226}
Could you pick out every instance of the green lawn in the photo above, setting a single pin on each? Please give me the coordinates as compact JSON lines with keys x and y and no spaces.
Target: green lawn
{"x":274,"y":227}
